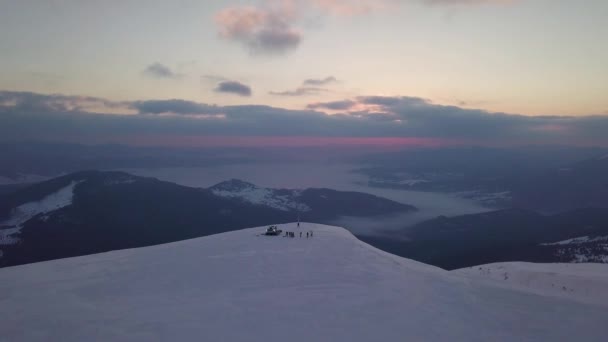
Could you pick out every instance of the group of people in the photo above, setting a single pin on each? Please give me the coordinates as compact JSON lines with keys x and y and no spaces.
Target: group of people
{"x":293,"y":234}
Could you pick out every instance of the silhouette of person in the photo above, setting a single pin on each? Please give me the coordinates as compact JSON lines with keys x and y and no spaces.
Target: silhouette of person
{"x":300,"y":234}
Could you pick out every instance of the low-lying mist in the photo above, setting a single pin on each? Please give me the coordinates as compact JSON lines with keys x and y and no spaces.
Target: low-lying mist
{"x":338,"y":176}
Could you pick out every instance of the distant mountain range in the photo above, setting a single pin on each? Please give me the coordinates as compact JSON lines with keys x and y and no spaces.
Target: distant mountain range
{"x":92,"y":211}
{"x":504,"y":235}
{"x":502,"y":180}
{"x":577,"y":185}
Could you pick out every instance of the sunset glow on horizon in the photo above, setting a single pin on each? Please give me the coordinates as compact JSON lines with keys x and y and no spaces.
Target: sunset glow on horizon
{"x":384,"y":72}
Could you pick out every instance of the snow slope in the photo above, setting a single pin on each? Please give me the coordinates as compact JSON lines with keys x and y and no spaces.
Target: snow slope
{"x":586,"y":283}
{"x":242,"y":286}
{"x":23,"y":213}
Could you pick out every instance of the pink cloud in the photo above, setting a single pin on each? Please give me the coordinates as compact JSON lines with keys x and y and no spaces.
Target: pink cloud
{"x":259,"y":29}
{"x":271,"y":28}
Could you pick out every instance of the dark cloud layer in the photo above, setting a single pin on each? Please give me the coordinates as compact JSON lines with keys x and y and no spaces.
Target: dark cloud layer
{"x":320,"y":81}
{"x":158,"y":70}
{"x":22,"y":101}
{"x":26,"y":115}
{"x":334,"y":105}
{"x":310,"y":86}
{"x":171,"y":106}
{"x":233,"y":87}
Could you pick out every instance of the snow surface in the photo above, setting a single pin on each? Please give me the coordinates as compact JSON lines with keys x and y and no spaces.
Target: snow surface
{"x":583,"y":255}
{"x":576,"y":241}
{"x":582,"y":249}
{"x":586,"y":283}
{"x":23,"y":213}
{"x":264,"y":196}
{"x":242,"y":286}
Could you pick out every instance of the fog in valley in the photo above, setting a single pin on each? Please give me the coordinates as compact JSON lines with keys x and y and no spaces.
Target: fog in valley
{"x":336,"y":176}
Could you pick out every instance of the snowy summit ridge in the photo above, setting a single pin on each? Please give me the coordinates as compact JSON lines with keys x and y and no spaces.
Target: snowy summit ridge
{"x":243,"y":286}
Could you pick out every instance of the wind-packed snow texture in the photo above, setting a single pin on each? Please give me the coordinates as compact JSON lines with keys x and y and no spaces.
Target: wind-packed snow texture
{"x":23,"y":213}
{"x":243,"y":286}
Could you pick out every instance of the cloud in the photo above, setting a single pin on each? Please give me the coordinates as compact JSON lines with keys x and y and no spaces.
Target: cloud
{"x":23,"y":101}
{"x":233,"y":87}
{"x":173,"y":106}
{"x":301,"y":91}
{"x":32,"y":116}
{"x":309,"y":87}
{"x":320,"y":82}
{"x":272,"y":28}
{"x":260,"y":30}
{"x":334,"y":105}
{"x":157,"y":70}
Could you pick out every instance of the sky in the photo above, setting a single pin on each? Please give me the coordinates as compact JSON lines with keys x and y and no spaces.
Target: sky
{"x":387,"y":71}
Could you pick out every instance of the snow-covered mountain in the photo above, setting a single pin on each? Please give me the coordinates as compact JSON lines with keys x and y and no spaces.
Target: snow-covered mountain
{"x":307,"y":200}
{"x":92,"y":211}
{"x":243,"y":286}
{"x":280,"y":199}
{"x":26,"y":211}
{"x":581,"y":249}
